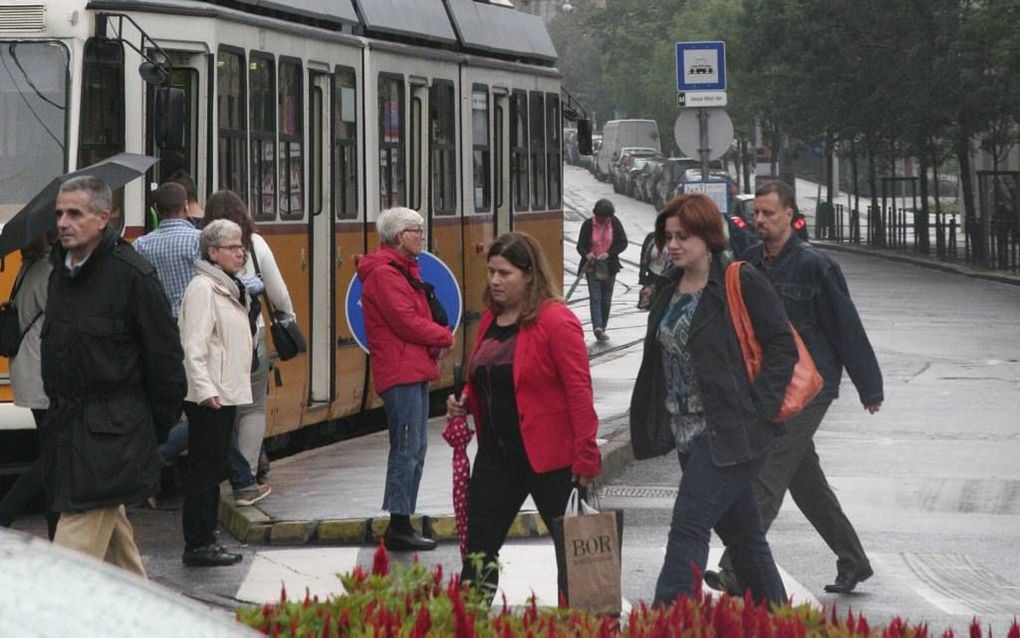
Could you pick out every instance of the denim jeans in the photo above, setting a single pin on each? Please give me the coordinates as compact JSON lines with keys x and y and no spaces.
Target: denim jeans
{"x":720,"y":498}
{"x":407,"y":413}
{"x":238,"y":471}
{"x":176,"y":442}
{"x":600,"y":299}
{"x":792,"y":464}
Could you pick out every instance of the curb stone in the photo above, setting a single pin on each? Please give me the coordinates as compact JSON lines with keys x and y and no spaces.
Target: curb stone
{"x":923,"y":262}
{"x":253,"y":527}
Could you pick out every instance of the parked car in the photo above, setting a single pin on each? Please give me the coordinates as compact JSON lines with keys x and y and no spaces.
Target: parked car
{"x":620,"y":134}
{"x":623,"y":163}
{"x":672,"y":173}
{"x":634,"y":179}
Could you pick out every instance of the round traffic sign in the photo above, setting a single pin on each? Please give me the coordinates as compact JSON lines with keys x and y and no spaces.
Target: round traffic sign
{"x":687,"y":134}
{"x":434,"y":271}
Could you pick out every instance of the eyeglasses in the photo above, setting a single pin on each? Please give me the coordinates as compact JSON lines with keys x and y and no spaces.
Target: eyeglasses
{"x":416,"y":231}
{"x":234,"y":248}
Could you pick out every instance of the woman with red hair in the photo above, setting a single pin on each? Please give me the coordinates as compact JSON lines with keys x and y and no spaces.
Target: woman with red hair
{"x":692,"y":394}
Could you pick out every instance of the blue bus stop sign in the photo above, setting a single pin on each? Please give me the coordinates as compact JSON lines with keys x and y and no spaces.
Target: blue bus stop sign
{"x":434,"y":272}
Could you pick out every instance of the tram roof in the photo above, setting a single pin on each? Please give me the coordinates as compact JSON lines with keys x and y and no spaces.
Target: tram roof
{"x":469,"y":25}
{"x":495,"y":29}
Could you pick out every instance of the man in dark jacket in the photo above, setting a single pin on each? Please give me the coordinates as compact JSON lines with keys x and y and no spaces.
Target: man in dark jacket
{"x":817,"y":301}
{"x":112,"y":369}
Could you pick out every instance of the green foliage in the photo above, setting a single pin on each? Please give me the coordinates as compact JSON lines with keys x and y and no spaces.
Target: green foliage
{"x":908,"y":72}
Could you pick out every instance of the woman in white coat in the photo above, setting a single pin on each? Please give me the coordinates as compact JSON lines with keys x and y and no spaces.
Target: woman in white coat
{"x":217,"y":340}
{"x":262,"y":276}
{"x":26,"y":376}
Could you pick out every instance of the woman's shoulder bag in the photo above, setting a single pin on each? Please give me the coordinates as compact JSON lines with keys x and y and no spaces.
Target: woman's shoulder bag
{"x":287,"y":337}
{"x":11,"y":333}
{"x":806,"y":382}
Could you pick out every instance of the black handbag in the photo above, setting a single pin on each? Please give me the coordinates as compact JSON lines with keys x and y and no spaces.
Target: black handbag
{"x":435,"y":306}
{"x":11,"y":333}
{"x":287,"y":338}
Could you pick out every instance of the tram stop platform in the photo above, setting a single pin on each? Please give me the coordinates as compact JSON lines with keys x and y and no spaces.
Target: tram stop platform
{"x":333,"y":494}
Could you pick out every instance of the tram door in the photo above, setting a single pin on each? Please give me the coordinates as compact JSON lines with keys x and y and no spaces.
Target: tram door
{"x":418,"y":159}
{"x":321,"y":349}
{"x":501,"y":164}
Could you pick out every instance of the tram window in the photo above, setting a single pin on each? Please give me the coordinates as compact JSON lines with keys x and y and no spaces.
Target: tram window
{"x":444,"y":151}
{"x":481,"y":158}
{"x":553,"y":147}
{"x":231,"y":103}
{"x":180,"y":159}
{"x":498,"y":123}
{"x":262,"y":83}
{"x":391,"y":138}
{"x":519,"y":149}
{"x":33,"y":125}
{"x":102,"y":110}
{"x":345,"y":144}
{"x":292,"y":194}
{"x":537,"y":151}
{"x":414,"y":160}
{"x":315,"y":108}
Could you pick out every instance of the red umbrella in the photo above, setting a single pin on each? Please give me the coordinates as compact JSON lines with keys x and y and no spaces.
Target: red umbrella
{"x":458,"y":434}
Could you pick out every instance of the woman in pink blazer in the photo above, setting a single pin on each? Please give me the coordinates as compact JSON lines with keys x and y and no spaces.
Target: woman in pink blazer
{"x":529,"y":391}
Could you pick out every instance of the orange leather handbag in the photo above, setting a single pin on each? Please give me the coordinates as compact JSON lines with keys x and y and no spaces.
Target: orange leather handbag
{"x":806,"y":382}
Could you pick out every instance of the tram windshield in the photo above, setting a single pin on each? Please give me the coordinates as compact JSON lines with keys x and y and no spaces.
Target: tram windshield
{"x":33,"y":119}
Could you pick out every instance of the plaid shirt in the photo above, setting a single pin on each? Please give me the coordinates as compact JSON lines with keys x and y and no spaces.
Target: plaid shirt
{"x":172,"y":248}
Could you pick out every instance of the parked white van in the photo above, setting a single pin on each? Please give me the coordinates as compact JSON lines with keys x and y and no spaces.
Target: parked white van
{"x":617,"y":134}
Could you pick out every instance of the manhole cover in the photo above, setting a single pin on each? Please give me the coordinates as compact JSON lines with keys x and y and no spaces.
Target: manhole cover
{"x":629,"y":491}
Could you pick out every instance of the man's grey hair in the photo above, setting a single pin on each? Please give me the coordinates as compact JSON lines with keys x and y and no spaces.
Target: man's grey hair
{"x":215,"y":233}
{"x":393,"y":220}
{"x":100,"y":196}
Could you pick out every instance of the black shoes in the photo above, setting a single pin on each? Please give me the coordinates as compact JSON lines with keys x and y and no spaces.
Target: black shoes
{"x":847,"y":581}
{"x":214,"y":555}
{"x":725,"y":581}
{"x":412,"y":541}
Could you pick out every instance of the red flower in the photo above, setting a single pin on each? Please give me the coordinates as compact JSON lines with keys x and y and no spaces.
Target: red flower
{"x":381,"y":561}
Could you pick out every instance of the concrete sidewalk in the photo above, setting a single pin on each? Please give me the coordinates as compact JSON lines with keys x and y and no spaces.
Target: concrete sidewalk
{"x":333,"y":494}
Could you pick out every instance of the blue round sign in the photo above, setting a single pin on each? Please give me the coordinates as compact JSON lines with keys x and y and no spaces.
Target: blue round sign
{"x":434,"y":272}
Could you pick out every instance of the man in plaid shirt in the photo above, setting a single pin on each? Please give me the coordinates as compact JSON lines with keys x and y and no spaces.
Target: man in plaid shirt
{"x":173,"y":246}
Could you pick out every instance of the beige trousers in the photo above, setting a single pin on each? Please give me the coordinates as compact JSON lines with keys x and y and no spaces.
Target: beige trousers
{"x":104,"y":533}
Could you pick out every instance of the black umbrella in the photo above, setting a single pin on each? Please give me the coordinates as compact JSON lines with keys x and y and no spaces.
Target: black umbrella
{"x":37,"y":216}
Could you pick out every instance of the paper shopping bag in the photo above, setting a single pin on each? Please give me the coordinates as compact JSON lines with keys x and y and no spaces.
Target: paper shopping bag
{"x":590,"y":551}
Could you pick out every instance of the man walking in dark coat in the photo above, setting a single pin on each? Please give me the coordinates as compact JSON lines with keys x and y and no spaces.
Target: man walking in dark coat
{"x":817,"y":301}
{"x":112,"y":368}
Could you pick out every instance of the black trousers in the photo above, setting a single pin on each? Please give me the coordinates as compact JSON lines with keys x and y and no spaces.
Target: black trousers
{"x":499,"y":485}
{"x":29,"y":485}
{"x":793,"y":464}
{"x":208,"y":440}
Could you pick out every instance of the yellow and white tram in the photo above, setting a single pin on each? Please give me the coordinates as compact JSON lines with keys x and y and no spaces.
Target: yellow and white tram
{"x":320,"y":114}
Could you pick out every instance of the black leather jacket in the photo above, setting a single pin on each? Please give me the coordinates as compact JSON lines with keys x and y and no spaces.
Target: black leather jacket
{"x":817,"y":300}
{"x":112,"y":367}
{"x":738,"y":413}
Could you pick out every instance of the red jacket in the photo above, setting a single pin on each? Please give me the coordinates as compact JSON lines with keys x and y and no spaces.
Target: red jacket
{"x":552,"y":384}
{"x":398,"y":322}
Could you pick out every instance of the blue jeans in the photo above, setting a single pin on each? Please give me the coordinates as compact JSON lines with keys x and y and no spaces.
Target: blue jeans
{"x":407,"y":413}
{"x":600,"y":299}
{"x":720,"y":498}
{"x":176,"y":441}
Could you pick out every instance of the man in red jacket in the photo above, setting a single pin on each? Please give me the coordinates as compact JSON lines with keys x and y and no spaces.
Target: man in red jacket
{"x":405,"y":345}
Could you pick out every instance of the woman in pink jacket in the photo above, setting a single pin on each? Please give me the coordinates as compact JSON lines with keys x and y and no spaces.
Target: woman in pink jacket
{"x":529,"y":390}
{"x":405,"y":346}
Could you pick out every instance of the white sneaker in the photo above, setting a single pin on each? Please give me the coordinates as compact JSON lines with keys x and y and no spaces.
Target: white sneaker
{"x":251,"y":495}
{"x":601,"y":335}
